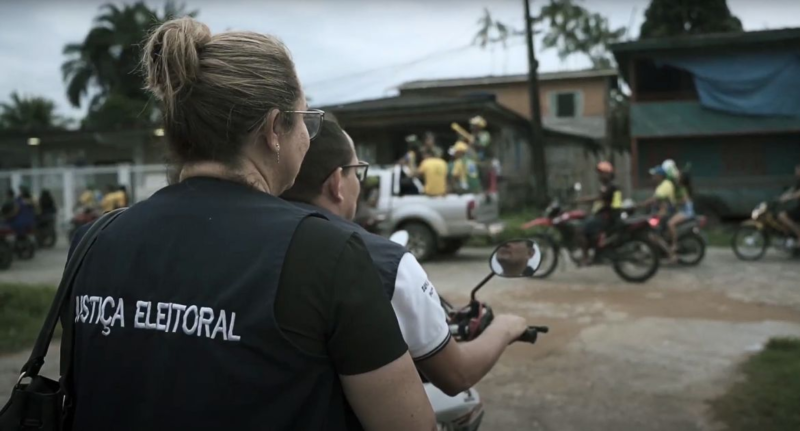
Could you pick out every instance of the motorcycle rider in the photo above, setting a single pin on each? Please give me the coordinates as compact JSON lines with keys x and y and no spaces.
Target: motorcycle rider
{"x":605,"y":204}
{"x":684,"y":210}
{"x":663,"y":200}
{"x":329,"y":182}
{"x":791,"y":218}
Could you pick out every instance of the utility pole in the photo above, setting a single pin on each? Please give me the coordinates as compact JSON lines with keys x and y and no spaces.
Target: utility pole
{"x":536,"y":130}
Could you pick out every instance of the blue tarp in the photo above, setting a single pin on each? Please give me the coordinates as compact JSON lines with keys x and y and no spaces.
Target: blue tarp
{"x":764,"y":84}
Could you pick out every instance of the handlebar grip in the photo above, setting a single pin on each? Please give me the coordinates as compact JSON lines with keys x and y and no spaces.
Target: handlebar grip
{"x":532,"y":333}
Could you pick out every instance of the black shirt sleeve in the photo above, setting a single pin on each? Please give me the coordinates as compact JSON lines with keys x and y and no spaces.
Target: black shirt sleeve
{"x":330,"y":300}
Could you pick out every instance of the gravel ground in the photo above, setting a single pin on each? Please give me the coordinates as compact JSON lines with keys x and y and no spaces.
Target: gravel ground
{"x":625,"y":356}
{"x":619,"y":356}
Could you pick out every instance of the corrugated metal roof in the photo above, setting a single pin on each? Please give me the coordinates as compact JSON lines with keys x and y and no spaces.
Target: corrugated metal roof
{"x":673,"y":119}
{"x":407,"y":102}
{"x":506,"y":79}
{"x":708,"y":41}
{"x":587,"y":127}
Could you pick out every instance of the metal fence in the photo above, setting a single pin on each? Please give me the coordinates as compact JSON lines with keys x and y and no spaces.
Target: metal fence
{"x":67,"y":183}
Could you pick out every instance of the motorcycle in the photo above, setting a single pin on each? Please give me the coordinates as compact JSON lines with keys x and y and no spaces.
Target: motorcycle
{"x":691,"y":244}
{"x":753,"y":237}
{"x":23,"y":245}
{"x":464,"y":412}
{"x":626,"y":245}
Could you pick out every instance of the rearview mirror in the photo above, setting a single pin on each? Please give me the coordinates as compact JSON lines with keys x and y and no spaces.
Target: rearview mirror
{"x":516,"y":258}
{"x":400,"y":237}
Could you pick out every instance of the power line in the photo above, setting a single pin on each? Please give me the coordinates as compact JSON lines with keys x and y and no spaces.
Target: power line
{"x":393,"y":66}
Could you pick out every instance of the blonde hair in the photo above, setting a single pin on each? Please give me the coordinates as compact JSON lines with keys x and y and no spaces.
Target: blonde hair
{"x":216,"y":90}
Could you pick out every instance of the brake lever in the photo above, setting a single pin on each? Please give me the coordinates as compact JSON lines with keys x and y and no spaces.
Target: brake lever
{"x":532,"y":333}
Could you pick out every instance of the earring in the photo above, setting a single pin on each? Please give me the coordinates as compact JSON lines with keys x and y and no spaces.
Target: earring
{"x":278,"y":152}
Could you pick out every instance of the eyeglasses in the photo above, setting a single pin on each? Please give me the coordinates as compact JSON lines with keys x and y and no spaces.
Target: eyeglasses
{"x":361,"y":170}
{"x":313,"y":120}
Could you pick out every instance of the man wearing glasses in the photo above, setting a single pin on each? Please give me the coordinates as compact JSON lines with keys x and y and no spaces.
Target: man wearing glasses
{"x":329,"y":183}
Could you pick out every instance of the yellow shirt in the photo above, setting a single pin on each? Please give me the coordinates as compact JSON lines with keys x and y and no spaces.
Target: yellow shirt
{"x":112,"y":201}
{"x":435,"y":171}
{"x":666,"y":191}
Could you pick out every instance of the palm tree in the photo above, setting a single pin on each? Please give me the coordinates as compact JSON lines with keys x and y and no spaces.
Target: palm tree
{"x":106,"y":62}
{"x":26,"y":114}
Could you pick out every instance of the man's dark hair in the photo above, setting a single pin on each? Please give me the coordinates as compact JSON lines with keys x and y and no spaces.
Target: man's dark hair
{"x":328,"y":151}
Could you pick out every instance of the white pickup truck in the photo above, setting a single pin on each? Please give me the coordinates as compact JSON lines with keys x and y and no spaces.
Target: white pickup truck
{"x":436,"y":225}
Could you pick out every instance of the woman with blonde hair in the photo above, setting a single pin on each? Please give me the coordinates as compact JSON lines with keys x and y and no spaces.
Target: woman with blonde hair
{"x":216,"y":305}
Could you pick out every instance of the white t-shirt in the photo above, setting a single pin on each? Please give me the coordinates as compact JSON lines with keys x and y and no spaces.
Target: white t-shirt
{"x":419,"y":313}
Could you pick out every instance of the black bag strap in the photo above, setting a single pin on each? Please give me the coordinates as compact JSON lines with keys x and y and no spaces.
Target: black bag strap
{"x":36,"y":360}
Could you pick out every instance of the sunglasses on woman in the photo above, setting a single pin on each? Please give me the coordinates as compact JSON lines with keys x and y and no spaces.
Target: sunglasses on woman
{"x":313,"y":120}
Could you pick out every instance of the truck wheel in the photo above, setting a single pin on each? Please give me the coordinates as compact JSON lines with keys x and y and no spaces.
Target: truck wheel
{"x":421,"y":241}
{"x":452,"y":246}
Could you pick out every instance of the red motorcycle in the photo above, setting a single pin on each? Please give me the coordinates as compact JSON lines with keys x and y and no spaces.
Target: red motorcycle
{"x":625,"y":245}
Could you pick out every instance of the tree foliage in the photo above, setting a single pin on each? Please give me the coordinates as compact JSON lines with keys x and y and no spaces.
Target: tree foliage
{"x":103,"y":69}
{"x":29,"y":114}
{"x":670,"y":18}
{"x":567,"y":27}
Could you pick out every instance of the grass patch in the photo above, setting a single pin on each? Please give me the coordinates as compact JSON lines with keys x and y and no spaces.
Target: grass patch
{"x":513,"y":221}
{"x":22,"y":312}
{"x":768,"y":398}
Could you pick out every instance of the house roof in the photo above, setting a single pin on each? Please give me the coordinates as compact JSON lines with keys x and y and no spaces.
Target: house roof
{"x":399,"y":108}
{"x":674,"y":119}
{"x":587,"y":127}
{"x":705,"y":41}
{"x":505,"y":79}
{"x":703,"y":44}
{"x":406,"y":102}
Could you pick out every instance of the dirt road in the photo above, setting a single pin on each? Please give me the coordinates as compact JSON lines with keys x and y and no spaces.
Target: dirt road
{"x":619,"y":356}
{"x":623,"y":356}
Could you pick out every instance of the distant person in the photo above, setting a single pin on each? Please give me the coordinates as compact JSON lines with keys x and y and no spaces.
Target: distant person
{"x":684,"y":208}
{"x":124,"y":198}
{"x":791,"y":217}
{"x":663,"y":200}
{"x":433,"y":170}
{"x":9,"y":209}
{"x":47,"y":205}
{"x":22,"y":218}
{"x":464,"y":172}
{"x":604,"y":207}
{"x":111,"y":199}
{"x":481,"y":138}
{"x":429,"y":142}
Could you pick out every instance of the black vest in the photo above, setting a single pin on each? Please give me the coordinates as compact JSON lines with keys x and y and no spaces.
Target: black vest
{"x":175,"y":325}
{"x":384,"y":252}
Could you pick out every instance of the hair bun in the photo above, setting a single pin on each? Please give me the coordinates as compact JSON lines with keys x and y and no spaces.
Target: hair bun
{"x":172,"y":57}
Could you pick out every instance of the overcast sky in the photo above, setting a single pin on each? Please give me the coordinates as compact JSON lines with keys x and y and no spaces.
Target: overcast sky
{"x":344,"y":49}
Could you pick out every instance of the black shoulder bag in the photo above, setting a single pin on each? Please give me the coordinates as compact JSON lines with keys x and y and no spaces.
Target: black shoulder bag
{"x":42,"y":403}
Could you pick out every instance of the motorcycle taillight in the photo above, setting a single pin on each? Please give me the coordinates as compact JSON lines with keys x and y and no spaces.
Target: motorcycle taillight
{"x":654,"y":222}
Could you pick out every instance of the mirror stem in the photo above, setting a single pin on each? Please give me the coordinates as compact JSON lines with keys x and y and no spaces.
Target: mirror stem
{"x":485,"y":280}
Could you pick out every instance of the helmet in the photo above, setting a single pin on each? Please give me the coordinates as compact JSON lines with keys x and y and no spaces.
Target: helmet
{"x":670,"y":169}
{"x":605,"y":167}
